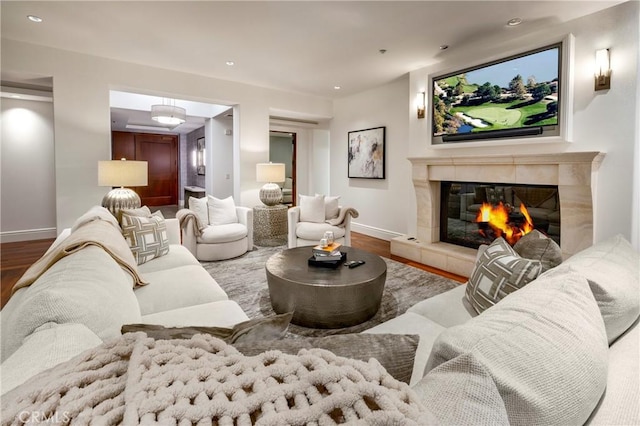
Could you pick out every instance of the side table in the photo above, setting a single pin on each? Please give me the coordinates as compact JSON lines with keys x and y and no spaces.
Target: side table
{"x":270,"y":225}
{"x":193,"y":191}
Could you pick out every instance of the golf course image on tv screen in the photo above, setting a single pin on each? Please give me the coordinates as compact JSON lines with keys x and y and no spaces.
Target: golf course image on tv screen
{"x":515,"y":93}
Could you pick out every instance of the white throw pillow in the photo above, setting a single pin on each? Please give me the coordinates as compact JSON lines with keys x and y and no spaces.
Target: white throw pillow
{"x":201,"y":209}
{"x":612,"y":268}
{"x":331,"y":207}
{"x":222,"y":212}
{"x":312,"y":208}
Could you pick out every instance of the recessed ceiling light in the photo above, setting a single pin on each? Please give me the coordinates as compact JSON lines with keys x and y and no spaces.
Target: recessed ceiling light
{"x":514,"y":21}
{"x":337,"y":87}
{"x":230,"y":63}
{"x":443,"y":47}
{"x":15,"y":96}
{"x":34,"y":18}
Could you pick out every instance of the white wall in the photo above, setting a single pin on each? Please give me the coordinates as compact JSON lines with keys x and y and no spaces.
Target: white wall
{"x":28,"y":191}
{"x":635,"y":208}
{"x":219,"y":170}
{"x":602,"y":121}
{"x":82,"y":119}
{"x":319,"y":181}
{"x":382,"y":204}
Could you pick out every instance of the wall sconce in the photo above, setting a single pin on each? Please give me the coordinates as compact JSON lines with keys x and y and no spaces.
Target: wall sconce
{"x":603,"y":70}
{"x":420,"y":101}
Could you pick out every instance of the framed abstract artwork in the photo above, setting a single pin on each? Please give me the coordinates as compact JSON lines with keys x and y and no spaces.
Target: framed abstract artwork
{"x":366,"y":153}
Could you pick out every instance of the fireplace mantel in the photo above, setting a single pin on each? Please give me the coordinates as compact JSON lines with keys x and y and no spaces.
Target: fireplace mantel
{"x":573,"y":173}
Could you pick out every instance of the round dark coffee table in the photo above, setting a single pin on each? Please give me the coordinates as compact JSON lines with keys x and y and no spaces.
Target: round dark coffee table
{"x":324,"y":297}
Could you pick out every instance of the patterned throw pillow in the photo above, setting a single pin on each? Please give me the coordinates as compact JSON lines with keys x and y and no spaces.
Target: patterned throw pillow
{"x":498,"y":272}
{"x":147,"y":236}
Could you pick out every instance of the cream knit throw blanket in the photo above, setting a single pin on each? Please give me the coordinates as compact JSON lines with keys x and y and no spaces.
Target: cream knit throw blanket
{"x":137,"y":380}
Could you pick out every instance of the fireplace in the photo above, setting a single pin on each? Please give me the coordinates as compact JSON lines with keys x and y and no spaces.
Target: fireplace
{"x":475,"y":213}
{"x":573,"y":173}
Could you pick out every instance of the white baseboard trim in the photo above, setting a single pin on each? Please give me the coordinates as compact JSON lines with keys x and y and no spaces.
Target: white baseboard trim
{"x":372,"y":231}
{"x":28,"y":235}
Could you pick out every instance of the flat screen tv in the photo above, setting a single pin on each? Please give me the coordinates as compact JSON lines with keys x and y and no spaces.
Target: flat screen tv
{"x":515,"y":97}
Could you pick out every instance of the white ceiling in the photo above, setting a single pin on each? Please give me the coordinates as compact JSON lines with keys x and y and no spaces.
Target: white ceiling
{"x":132,"y":112}
{"x":301,"y":46}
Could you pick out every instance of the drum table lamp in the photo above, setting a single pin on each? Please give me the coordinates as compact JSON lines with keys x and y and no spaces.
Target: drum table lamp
{"x":122,"y":173}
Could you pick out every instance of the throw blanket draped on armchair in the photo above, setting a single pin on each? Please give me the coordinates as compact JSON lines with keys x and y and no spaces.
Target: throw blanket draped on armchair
{"x":339,"y":221}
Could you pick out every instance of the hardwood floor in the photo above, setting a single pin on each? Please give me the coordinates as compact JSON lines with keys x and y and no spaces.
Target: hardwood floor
{"x":17,"y":257}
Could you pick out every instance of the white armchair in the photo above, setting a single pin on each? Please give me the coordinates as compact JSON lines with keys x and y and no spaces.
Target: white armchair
{"x":309,"y":233}
{"x":219,"y":241}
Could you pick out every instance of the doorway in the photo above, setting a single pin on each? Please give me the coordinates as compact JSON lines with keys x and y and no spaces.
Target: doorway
{"x":161,"y":154}
{"x":282,"y":149}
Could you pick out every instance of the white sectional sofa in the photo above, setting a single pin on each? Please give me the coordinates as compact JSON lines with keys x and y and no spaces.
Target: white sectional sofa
{"x":86,"y":298}
{"x":568,"y":341}
{"x":564,"y":349}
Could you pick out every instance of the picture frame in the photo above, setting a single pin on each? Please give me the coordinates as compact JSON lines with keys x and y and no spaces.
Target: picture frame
{"x":200,"y":150}
{"x":366,"y":153}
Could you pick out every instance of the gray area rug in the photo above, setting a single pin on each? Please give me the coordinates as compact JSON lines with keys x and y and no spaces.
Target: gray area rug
{"x":245,"y":282}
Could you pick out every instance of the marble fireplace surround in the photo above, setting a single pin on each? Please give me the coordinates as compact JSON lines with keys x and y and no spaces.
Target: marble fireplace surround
{"x":573,"y":172}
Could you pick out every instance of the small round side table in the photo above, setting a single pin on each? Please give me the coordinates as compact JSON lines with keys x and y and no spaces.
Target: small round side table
{"x":270,"y":225}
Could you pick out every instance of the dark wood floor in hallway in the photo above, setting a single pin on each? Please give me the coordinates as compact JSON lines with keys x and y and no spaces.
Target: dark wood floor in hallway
{"x":17,"y":257}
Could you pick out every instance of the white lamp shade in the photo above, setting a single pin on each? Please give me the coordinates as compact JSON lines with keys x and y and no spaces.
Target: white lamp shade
{"x":168,"y":114}
{"x":602,"y":62}
{"x":122,"y":173}
{"x":270,"y":172}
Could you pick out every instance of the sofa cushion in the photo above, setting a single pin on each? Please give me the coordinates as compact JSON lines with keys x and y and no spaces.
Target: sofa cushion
{"x":545,"y":347}
{"x":411,"y":323}
{"x":312,"y":208}
{"x":147,"y":236}
{"x":315,"y":231}
{"x":619,"y":405}
{"x":221,"y":211}
{"x":462,"y":392}
{"x":222,"y":233}
{"x":87,"y":287}
{"x":48,"y":346}
{"x":612,"y":268}
{"x":200,"y":207}
{"x":177,"y":288}
{"x":447,"y":309}
{"x":537,"y":246}
{"x":498,"y":272}
{"x":224,"y":313}
{"x":178,"y":256}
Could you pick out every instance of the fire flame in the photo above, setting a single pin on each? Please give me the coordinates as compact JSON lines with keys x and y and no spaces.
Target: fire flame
{"x":497,"y":217}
